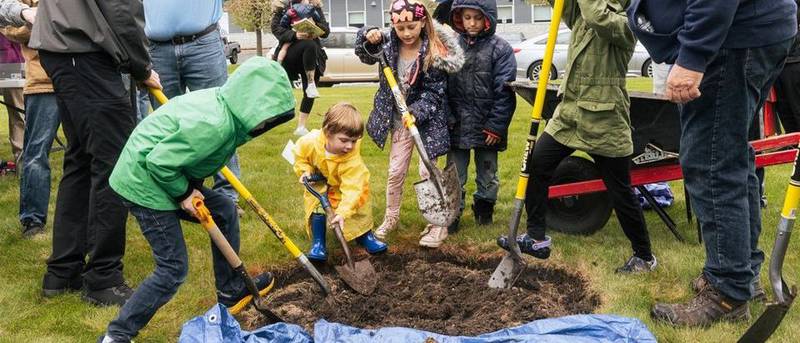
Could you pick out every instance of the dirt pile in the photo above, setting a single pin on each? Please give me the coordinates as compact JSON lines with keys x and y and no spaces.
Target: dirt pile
{"x":430,"y":291}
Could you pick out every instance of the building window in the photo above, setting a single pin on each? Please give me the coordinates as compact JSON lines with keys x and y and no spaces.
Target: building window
{"x":356,"y":18}
{"x":505,"y":14}
{"x":542,"y":13}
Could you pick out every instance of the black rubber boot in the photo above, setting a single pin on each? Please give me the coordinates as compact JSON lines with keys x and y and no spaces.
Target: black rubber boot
{"x":483,"y":211}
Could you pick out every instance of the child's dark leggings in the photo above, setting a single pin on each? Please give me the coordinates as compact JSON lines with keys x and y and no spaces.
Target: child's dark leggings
{"x":547,"y":154}
{"x":301,"y":57}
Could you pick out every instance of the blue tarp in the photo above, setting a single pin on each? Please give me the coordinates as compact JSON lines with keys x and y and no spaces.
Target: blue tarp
{"x":217,"y":325}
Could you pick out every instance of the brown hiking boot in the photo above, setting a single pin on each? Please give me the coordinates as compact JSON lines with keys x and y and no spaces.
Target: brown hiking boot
{"x":699,"y":283}
{"x":706,"y":308}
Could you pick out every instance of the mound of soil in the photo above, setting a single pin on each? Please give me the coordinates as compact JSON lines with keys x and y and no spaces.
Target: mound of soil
{"x":432,"y":291}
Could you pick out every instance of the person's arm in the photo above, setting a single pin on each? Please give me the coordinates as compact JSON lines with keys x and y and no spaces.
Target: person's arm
{"x":322,"y":22}
{"x":302,"y":156}
{"x":433,"y":94}
{"x":121,"y":18}
{"x":504,"y":70}
{"x":354,"y":187}
{"x":609,"y":20}
{"x":362,"y":45}
{"x":569,"y":13}
{"x":19,"y":35}
{"x":183,"y":148}
{"x":706,"y":25}
{"x":281,"y":33}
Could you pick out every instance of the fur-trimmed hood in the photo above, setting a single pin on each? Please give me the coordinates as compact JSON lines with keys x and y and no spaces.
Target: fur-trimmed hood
{"x":454,"y":59}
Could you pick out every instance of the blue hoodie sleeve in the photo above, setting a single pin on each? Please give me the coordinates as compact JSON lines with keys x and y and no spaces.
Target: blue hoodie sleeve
{"x":504,"y":71}
{"x":705,"y":27}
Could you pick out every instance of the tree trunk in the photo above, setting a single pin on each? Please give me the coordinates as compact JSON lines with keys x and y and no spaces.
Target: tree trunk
{"x":259,"y":46}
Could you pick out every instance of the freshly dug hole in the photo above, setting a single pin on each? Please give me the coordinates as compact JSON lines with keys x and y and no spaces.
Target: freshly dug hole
{"x":429,"y":290}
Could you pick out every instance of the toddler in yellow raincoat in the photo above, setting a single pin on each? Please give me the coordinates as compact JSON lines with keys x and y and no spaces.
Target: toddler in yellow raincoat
{"x":335,"y":153}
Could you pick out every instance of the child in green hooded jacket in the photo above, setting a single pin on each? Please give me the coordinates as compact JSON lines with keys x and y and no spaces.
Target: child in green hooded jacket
{"x":162,"y":167}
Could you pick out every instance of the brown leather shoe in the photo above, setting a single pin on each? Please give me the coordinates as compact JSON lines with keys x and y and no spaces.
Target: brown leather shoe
{"x":707,"y":307}
{"x":699,"y":283}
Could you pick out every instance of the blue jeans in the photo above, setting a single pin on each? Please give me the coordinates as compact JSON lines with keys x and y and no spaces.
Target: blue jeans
{"x":163,"y":232}
{"x":718,"y":163}
{"x":486,"y":170}
{"x":196,"y":65}
{"x":41,"y":126}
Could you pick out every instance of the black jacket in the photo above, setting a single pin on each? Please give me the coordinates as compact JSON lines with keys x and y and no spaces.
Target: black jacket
{"x":480,"y":98}
{"x":79,"y":26}
{"x":284,"y":35}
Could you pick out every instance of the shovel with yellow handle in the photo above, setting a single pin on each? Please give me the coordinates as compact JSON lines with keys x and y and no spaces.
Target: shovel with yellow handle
{"x":512,"y":265}
{"x":204,"y":215}
{"x":264,"y":216}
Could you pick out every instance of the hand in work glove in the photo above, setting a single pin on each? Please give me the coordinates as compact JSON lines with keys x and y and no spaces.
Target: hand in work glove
{"x":186,"y":204}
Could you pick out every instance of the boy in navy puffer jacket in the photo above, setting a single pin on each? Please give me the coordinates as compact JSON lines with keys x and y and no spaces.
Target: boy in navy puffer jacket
{"x":481,"y":101}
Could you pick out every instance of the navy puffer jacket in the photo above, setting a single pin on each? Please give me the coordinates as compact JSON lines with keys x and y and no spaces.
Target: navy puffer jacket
{"x":479,"y":96}
{"x":426,"y":98}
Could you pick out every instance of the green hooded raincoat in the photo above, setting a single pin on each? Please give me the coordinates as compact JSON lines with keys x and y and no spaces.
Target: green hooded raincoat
{"x":594,"y":114}
{"x":194,"y":135}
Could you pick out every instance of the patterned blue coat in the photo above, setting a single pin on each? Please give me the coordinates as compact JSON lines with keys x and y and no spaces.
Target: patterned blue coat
{"x":426,"y":97}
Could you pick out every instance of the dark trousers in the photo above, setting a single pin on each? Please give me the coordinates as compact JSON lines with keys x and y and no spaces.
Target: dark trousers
{"x":547,"y":154}
{"x":788,"y":92}
{"x":300,"y":58}
{"x":97,"y":117}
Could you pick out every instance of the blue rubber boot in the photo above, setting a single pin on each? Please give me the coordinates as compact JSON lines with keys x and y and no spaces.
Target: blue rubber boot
{"x":371,"y":243}
{"x":318,"y":251}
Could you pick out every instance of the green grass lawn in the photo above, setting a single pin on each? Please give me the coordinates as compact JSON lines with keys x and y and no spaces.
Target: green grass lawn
{"x":25,"y":316}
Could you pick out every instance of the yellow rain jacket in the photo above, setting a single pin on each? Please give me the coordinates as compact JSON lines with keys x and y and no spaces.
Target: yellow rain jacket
{"x":348,"y":183}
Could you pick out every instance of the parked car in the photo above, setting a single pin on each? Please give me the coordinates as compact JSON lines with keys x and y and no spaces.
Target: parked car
{"x":343,"y":65}
{"x":530,"y":53}
{"x":232,"y":49}
{"x":512,"y":37}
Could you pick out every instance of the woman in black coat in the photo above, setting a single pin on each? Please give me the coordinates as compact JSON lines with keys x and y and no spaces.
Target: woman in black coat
{"x":305,"y":57}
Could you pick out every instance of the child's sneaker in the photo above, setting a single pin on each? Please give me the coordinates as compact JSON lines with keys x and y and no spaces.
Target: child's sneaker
{"x":528,"y":245}
{"x":311,"y":91}
{"x":637,"y":264}
{"x":236,"y":302}
{"x":300,"y":131}
{"x":433,"y":236}
{"x":389,"y":223}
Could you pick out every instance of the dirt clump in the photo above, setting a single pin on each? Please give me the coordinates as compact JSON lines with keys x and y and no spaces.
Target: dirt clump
{"x":432,"y":291}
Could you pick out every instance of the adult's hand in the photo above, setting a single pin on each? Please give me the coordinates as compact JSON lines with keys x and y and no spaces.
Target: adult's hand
{"x":683,"y":85}
{"x":188,"y":206}
{"x":29,"y":14}
{"x":302,"y":35}
{"x":153,"y":81}
{"x":374,"y":36}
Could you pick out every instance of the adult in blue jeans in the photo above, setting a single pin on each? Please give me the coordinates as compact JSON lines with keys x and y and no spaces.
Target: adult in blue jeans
{"x":41,"y":126}
{"x":727,"y":54}
{"x":187,"y":52}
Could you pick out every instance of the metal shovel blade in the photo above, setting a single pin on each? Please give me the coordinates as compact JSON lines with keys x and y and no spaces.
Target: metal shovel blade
{"x":440,"y":209}
{"x":768,"y":322}
{"x":506,"y":273}
{"x":361,"y":278}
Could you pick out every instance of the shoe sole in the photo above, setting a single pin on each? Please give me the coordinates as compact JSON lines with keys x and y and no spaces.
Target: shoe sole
{"x":235,"y":309}
{"x":430,"y":245}
{"x":51,"y":293}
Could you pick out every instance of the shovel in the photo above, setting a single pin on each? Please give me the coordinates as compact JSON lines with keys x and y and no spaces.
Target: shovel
{"x":204,"y":215}
{"x":512,"y":265}
{"x":264,"y":216}
{"x":438,"y":196}
{"x":360,"y":275}
{"x":768,"y":322}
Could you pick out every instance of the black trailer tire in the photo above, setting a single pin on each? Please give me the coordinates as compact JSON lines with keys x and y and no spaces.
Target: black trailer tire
{"x":582,"y":214}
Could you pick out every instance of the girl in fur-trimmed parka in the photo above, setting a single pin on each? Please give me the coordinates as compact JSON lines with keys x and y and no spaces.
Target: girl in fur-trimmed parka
{"x":421,"y":54}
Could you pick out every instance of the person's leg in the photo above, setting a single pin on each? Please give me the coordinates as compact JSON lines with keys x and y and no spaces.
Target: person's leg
{"x":142,"y":104}
{"x":461,"y":159}
{"x":297,"y":63}
{"x":617,"y":178}
{"x":787,"y":88}
{"x":399,"y":160}
{"x":16,"y":120}
{"x":162,"y":230}
{"x":164,"y":57}
{"x":547,"y":154}
{"x":223,"y":210}
{"x":485,"y":195}
{"x":41,"y":126}
{"x":66,"y":261}
{"x":310,"y":67}
{"x":282,"y":52}
{"x":109,"y":119}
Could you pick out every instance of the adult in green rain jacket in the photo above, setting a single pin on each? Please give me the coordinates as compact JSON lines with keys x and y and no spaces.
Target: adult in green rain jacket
{"x":594,"y":114}
{"x":592,"y":117}
{"x":162,"y":167}
{"x":192,"y":136}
